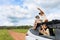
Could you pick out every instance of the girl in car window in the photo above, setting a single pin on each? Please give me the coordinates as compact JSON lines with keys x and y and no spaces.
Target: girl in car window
{"x":44,"y":30}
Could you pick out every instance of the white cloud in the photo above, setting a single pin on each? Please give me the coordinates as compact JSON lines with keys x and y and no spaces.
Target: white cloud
{"x":7,"y":11}
{"x":28,"y":10}
{"x":26,"y":22}
{"x":11,"y":11}
{"x":4,"y":21}
{"x":53,"y":16}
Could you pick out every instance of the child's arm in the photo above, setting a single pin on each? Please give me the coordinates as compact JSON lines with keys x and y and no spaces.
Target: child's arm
{"x":45,"y":20}
{"x":40,"y":10}
{"x":46,"y":32}
{"x":35,"y":24}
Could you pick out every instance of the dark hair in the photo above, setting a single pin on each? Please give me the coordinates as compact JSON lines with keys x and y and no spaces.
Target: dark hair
{"x":41,"y":27}
{"x":37,"y":16}
{"x":39,"y":13}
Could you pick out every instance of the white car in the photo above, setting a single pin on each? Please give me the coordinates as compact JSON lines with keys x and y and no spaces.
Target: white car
{"x":34,"y":34}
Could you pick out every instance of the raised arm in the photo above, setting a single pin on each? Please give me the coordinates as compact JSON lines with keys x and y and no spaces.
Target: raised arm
{"x":40,"y":10}
{"x":35,"y":24}
{"x":45,"y":18}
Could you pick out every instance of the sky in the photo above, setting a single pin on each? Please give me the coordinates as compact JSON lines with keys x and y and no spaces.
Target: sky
{"x":23,"y":12}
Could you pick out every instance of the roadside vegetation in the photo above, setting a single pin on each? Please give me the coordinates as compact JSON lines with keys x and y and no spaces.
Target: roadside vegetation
{"x":20,"y":30}
{"x":4,"y":35}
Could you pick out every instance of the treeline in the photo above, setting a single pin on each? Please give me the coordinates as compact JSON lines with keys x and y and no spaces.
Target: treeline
{"x":15,"y":27}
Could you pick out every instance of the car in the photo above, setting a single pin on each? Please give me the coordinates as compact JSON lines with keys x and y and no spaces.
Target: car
{"x":34,"y":34}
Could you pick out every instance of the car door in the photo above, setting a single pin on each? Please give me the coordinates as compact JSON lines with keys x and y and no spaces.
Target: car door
{"x":57,"y":34}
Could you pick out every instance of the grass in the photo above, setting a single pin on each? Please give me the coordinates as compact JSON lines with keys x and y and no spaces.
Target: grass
{"x":20,"y":30}
{"x":4,"y":35}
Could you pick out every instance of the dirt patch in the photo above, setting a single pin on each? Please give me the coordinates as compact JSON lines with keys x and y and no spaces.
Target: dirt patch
{"x":17,"y":36}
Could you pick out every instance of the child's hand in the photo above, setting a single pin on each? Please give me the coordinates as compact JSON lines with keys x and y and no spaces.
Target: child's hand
{"x":38,"y":8}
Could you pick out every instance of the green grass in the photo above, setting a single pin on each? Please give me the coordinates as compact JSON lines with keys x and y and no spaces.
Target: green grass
{"x":4,"y":35}
{"x":20,"y":30}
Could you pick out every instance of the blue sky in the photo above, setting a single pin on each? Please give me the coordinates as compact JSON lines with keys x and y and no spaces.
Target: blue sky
{"x":23,"y":12}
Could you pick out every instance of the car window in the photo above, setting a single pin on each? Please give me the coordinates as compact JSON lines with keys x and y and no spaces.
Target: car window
{"x":35,"y":32}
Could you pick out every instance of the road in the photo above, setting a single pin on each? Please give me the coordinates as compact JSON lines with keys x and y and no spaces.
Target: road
{"x":17,"y":36}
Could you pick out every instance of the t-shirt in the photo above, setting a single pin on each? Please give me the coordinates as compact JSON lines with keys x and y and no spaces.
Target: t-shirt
{"x":38,"y":21}
{"x":43,"y":18}
{"x":47,"y":30}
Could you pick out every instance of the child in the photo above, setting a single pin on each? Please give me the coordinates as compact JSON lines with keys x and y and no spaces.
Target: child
{"x":42,"y":16}
{"x":44,"y":30}
{"x":37,"y":22}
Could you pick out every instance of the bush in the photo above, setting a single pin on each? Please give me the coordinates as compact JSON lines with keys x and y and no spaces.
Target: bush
{"x":15,"y":27}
